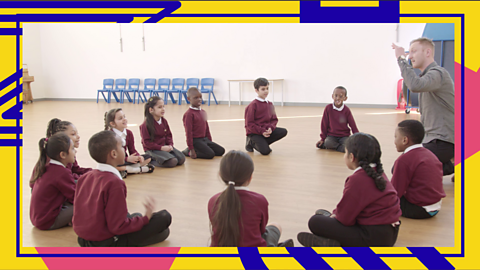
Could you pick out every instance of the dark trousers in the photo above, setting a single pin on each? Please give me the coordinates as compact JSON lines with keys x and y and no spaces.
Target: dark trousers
{"x":207,"y":149}
{"x":261,"y":144}
{"x":353,"y":236}
{"x":64,"y":218}
{"x":154,"y":232}
{"x":410,"y":210}
{"x":336,"y":143}
{"x":444,"y":152}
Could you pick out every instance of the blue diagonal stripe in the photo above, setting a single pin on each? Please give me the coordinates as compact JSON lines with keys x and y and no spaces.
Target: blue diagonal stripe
{"x":251,"y":258}
{"x":431,"y":258}
{"x":366,"y":258}
{"x":14,"y":111}
{"x":308,"y":258}
{"x":10,"y":79}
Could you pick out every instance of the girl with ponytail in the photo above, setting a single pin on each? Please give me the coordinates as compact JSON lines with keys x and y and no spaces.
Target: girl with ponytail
{"x":368,"y":213}
{"x":51,"y":205}
{"x":238,"y":217}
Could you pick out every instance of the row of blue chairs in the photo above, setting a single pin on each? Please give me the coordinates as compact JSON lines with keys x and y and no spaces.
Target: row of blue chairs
{"x":119,"y":86}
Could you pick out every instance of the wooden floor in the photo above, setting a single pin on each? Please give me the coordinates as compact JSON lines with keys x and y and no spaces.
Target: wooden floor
{"x":296,"y":178}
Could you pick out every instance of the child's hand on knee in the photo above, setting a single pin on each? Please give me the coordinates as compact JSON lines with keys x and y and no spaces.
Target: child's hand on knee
{"x":149,"y":206}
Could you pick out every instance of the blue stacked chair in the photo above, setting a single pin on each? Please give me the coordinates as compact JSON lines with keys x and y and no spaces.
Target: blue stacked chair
{"x":207,"y":87}
{"x":107,"y":88}
{"x":163,"y":86}
{"x":148,"y":87}
{"x":133,"y":87}
{"x":120,"y":85}
{"x":178,"y":85}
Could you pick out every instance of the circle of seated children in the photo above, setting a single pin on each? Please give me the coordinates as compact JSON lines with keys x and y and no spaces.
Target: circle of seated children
{"x":415,"y":191}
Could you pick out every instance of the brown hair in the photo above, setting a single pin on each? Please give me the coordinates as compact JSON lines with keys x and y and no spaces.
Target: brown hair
{"x":110,"y":117}
{"x":237,"y":167}
{"x":51,"y":147}
{"x":192,"y":91}
{"x":149,"y":117}
{"x":425,"y":42}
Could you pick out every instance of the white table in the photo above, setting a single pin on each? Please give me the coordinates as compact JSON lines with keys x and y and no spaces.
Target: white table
{"x":271,"y":82}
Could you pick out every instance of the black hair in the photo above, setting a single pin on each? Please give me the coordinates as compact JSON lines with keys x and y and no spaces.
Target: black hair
{"x":101,"y":144}
{"x":192,"y":90}
{"x":152,"y":101}
{"x":342,"y":88}
{"x":412,"y":129}
{"x":55,"y":125}
{"x":236,"y":167}
{"x":50,"y":147}
{"x":366,"y":149}
{"x":260,"y":82}
{"x":110,"y":117}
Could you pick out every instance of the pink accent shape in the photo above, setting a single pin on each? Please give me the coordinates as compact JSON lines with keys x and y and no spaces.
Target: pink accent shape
{"x":472,"y":110}
{"x":109,"y":263}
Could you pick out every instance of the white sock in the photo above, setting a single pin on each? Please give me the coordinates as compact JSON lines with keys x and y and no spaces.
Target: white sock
{"x":145,"y":169}
{"x":131,"y":169}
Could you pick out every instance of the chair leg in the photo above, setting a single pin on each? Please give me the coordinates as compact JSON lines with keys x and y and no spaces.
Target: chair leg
{"x":179,"y":98}
{"x":215,"y":98}
{"x":98,"y":93}
{"x":109,"y":97}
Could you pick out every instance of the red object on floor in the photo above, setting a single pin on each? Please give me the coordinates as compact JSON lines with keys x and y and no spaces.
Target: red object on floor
{"x":400,"y":105}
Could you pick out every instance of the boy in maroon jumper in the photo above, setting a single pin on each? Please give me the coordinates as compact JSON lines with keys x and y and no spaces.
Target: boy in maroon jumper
{"x":261,"y":121}
{"x":335,"y":121}
{"x":417,"y":173}
{"x":101,"y":218}
{"x":199,"y":139}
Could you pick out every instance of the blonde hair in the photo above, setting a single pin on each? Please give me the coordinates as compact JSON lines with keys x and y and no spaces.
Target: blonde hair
{"x":426,"y":42}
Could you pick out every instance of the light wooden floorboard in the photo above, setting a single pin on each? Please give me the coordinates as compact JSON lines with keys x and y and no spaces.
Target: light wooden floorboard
{"x":296,"y":178}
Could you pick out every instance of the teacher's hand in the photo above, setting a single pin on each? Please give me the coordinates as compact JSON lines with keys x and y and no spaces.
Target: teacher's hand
{"x":399,"y":51}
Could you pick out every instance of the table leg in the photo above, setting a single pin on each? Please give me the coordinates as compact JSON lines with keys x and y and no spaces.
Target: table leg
{"x":240,"y":93}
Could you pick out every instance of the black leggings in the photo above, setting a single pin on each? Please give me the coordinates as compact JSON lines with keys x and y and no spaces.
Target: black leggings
{"x":154,"y":232}
{"x":444,"y":152}
{"x":353,"y":236}
{"x":207,"y":149}
{"x":261,"y":144}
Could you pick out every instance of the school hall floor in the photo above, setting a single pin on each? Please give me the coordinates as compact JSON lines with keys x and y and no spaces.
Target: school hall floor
{"x":296,"y":178}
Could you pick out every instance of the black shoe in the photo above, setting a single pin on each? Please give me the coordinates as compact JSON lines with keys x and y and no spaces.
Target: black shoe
{"x":124,"y":174}
{"x":312,"y":240}
{"x":248,"y":145}
{"x":151,"y":168}
{"x":286,"y":243}
{"x":186,"y":152}
{"x":453,"y":178}
{"x":323,"y":212}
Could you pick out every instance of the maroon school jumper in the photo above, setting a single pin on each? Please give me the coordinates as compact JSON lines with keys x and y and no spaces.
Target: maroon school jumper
{"x":49,"y":193}
{"x":364,"y":204}
{"x":77,"y":171}
{"x":254,"y":218}
{"x":163,"y":136}
{"x":196,"y":126}
{"x":129,"y":144}
{"x":335,"y":123}
{"x":259,"y":116}
{"x":100,"y":210}
{"x":418,"y":175}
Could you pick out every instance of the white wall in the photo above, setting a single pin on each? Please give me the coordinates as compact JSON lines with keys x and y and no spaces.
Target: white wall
{"x":408,"y":32}
{"x":32,"y":56}
{"x":312,"y":58}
